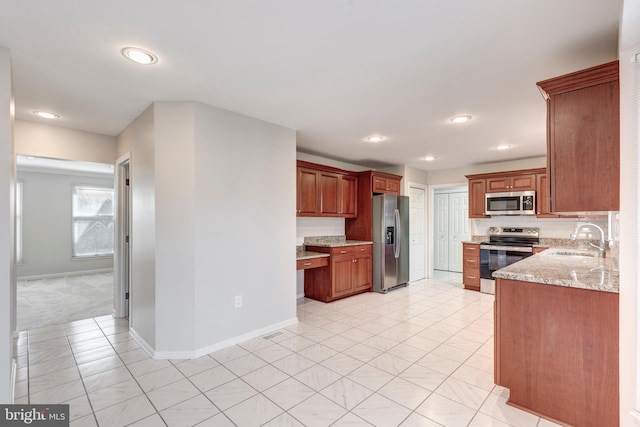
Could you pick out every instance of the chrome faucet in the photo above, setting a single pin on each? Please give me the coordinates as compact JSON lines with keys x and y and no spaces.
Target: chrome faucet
{"x":601,"y":247}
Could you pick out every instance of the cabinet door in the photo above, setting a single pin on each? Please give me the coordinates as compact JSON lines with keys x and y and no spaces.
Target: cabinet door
{"x":329,"y":190}
{"x":379,"y":184}
{"x":361,"y":273}
{"x":393,"y":186}
{"x":585,"y":149}
{"x":308,"y":194}
{"x":496,"y":185}
{"x":542,"y":197}
{"x":477,"y":198}
{"x":341,"y":276}
{"x":349,"y":196}
{"x":523,"y":183}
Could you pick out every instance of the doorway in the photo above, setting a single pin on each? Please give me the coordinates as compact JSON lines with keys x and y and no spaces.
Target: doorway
{"x":451,"y":227}
{"x":417,"y":236}
{"x":122,"y":252}
{"x":64,"y":241}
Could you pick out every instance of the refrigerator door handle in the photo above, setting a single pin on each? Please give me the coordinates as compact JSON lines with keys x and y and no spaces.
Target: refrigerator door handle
{"x":396,"y":242}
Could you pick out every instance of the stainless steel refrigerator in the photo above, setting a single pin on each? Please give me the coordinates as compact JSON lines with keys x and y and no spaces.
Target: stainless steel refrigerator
{"x":390,"y":241}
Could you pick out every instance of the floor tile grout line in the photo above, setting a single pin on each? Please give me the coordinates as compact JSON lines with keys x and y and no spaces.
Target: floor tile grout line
{"x":399,"y":320}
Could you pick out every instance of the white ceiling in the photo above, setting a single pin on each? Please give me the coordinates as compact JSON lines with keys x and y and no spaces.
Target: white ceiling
{"x":337,"y":71}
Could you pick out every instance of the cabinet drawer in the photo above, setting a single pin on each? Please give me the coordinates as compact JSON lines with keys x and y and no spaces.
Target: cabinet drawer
{"x":304,"y":264}
{"x":342,"y":250}
{"x":470,"y":249}
{"x":471,"y":262}
{"x":471,"y":278}
{"x":362,"y":249}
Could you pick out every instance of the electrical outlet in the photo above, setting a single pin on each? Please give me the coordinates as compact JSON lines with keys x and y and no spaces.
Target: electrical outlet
{"x":238,"y":301}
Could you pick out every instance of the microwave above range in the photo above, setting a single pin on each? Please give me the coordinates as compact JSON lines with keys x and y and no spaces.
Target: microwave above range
{"x":513,"y":203}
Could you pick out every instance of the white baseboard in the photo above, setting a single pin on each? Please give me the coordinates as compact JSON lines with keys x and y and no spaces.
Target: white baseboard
{"x":12,"y":392}
{"x":145,"y":345}
{"x":69,"y":273}
{"x":224,"y":344}
{"x":300,"y":296}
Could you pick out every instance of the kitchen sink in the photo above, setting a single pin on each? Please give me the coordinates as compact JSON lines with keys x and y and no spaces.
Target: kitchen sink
{"x":570,"y":252}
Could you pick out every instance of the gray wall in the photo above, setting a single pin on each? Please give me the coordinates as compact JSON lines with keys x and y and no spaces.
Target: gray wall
{"x":137,"y":139}
{"x":629,"y":134}
{"x":47,"y":225}
{"x":208,"y":187}
{"x":7,"y":248}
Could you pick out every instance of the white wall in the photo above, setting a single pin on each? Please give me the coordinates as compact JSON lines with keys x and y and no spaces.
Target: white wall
{"x":457,"y":175}
{"x":37,"y":139}
{"x":176,"y":228}
{"x":245,"y":223}
{"x":7,"y":248}
{"x":47,"y":224}
{"x":210,"y":189}
{"x":138,"y":140}
{"x":629,"y":46}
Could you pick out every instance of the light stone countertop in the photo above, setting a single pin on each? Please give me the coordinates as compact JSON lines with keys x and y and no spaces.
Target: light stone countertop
{"x":339,"y":244}
{"x":574,"y":268}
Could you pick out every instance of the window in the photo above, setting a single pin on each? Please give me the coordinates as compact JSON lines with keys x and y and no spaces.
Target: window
{"x":92,"y":221}
{"x":19,"y":255}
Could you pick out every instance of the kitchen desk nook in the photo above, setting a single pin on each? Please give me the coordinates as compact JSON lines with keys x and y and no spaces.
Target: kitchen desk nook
{"x":556,"y":336}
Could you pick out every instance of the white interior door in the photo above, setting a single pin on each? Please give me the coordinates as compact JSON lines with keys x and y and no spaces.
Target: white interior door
{"x":441,"y":235}
{"x":417,"y":199}
{"x":458,"y":228}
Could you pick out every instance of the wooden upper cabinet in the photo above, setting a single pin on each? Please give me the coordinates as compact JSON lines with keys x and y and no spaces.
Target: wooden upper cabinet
{"x":477,"y":190}
{"x":349,"y":195}
{"x":511,"y":183}
{"x":496,"y":182}
{"x":583,"y":139}
{"x":329,"y":194}
{"x":325,"y":191}
{"x":385,"y":184}
{"x":308,"y":192}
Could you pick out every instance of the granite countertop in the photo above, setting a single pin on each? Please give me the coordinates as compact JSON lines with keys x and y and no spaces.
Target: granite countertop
{"x":568,"y":267}
{"x":339,"y":244}
{"x":332,"y":241}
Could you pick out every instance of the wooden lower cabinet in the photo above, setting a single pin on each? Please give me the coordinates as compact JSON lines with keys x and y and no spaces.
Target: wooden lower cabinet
{"x":556,"y":350}
{"x":471,"y":266}
{"x":348,"y":273}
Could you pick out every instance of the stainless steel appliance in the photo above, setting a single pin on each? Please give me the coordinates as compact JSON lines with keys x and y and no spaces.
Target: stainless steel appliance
{"x":513,"y":203}
{"x":390,"y":242}
{"x":506,"y":246}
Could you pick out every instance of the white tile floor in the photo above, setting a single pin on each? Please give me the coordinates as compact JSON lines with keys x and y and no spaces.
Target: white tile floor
{"x":418,"y":356}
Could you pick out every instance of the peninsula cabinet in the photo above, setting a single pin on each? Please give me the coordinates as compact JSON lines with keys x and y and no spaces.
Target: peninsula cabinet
{"x":322,"y":191}
{"x":583,"y":139}
{"x":349,"y":272}
{"x":556,"y":350}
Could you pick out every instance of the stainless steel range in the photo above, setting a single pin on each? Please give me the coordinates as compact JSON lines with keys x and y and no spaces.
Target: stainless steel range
{"x":506,"y":246}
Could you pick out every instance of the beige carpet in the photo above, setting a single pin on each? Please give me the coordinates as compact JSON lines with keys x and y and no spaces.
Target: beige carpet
{"x":47,"y":302}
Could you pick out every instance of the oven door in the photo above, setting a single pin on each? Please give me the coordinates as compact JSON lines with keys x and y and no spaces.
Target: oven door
{"x":494,"y":258}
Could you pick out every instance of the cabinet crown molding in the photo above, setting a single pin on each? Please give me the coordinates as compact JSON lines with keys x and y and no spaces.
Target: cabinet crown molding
{"x":580,"y":79}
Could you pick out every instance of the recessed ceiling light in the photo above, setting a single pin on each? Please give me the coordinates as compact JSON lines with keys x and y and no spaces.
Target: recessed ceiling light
{"x":461,"y":119}
{"x":140,"y":56}
{"x":375,"y":138}
{"x":46,"y":115}
{"x":503,"y":147}
{"x":429,"y":158}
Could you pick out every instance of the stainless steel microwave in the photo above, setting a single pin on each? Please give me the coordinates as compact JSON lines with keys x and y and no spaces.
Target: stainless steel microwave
{"x":513,"y":203}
